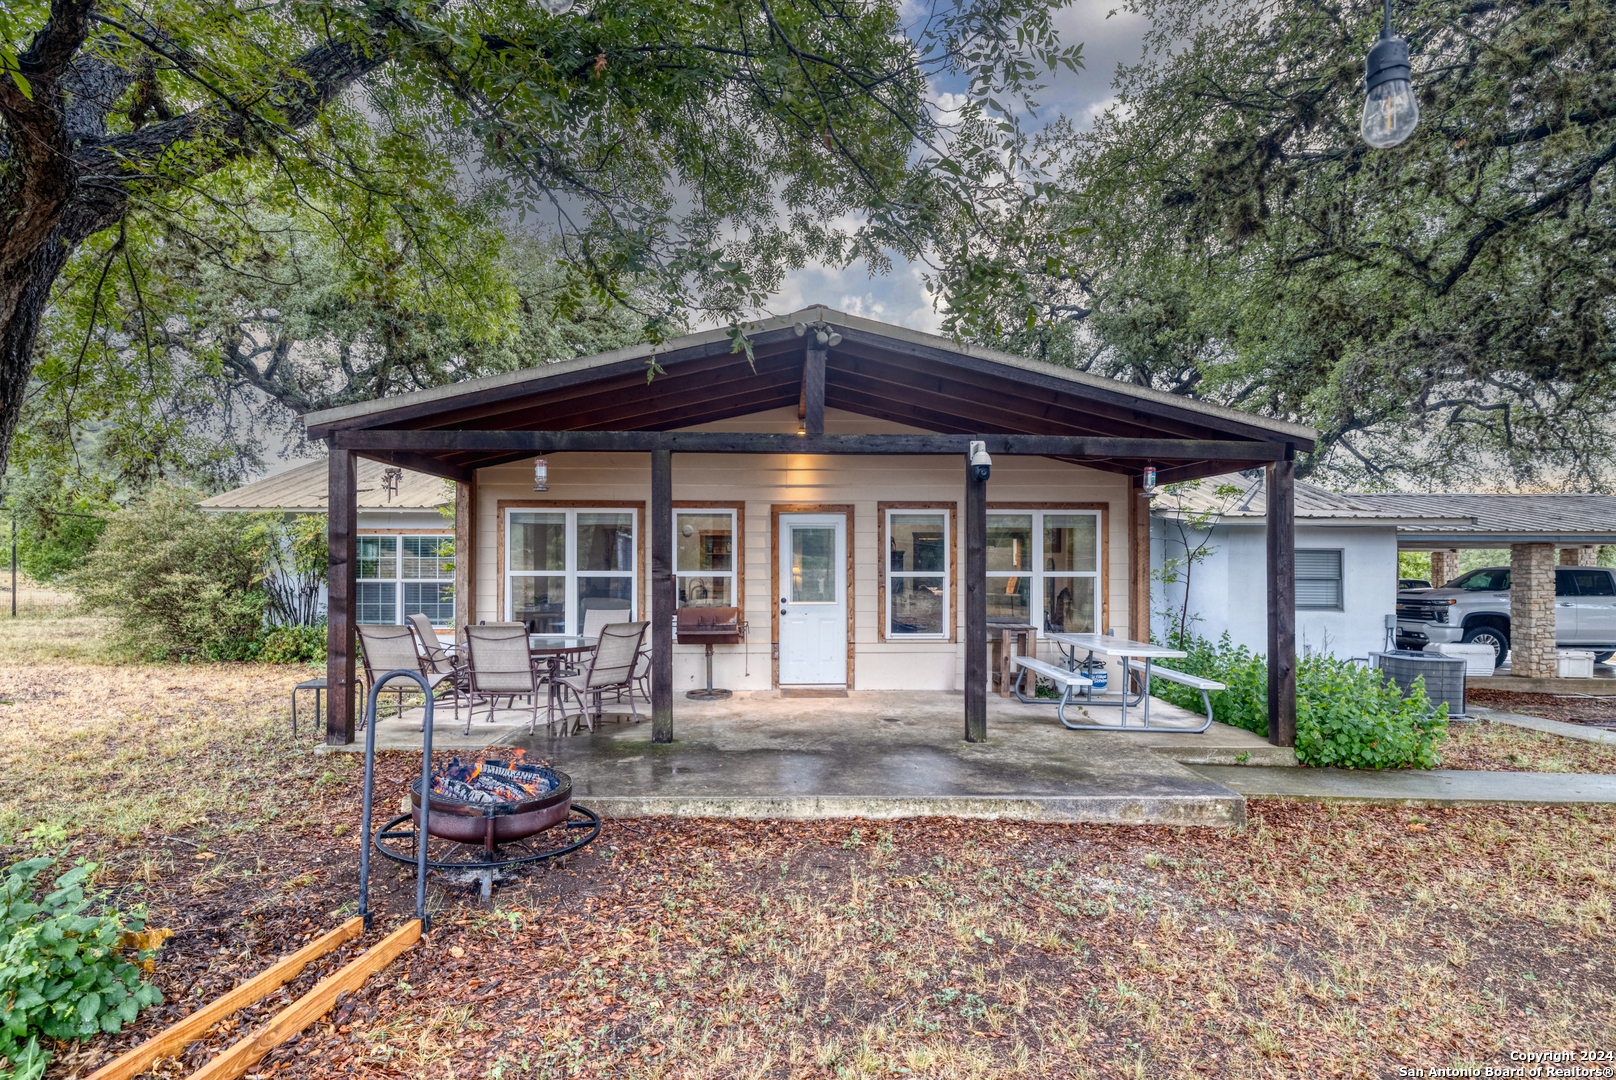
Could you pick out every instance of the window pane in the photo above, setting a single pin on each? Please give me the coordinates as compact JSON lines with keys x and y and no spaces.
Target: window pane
{"x":919,"y":542}
{"x":1594,"y":582}
{"x":378,"y":558}
{"x":700,"y":591}
{"x":428,"y":556}
{"x":606,"y":541}
{"x":1009,"y":599}
{"x":541,"y":602}
{"x":813,"y":564}
{"x":917,"y":606}
{"x":434,"y":599}
{"x":538,"y":541}
{"x":1318,"y":563}
{"x":614,"y":594}
{"x":376,"y":602}
{"x":703,"y":542}
{"x":1318,"y":593}
{"x":1069,"y":605}
{"x":1009,"y":542}
{"x":1070,"y":542}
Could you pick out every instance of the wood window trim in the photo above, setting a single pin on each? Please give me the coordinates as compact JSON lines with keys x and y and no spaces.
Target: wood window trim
{"x":1104,"y":564}
{"x":775,"y":510}
{"x":444,"y":532}
{"x":881,"y":509}
{"x":739,"y":555}
{"x":640,"y":526}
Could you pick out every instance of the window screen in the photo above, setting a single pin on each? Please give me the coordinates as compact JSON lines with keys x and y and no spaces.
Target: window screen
{"x":1318,"y":579}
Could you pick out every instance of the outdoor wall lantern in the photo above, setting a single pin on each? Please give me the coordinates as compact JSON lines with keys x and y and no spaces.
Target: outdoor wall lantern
{"x":1390,"y":111}
{"x":541,"y":475}
{"x":981,"y":464}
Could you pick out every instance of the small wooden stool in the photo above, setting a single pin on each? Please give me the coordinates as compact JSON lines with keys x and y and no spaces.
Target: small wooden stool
{"x":1015,"y":639}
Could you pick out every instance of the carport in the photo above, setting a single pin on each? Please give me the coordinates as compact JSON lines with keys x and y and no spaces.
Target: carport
{"x":1539,"y":531}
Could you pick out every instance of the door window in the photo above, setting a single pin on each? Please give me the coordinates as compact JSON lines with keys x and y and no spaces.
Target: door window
{"x":813,"y":564}
{"x":1591,"y":582}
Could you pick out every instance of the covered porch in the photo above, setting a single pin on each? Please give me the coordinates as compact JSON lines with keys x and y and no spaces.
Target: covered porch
{"x":831,"y":417}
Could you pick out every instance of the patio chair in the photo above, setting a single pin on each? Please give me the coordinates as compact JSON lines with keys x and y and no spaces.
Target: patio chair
{"x":441,"y":659}
{"x":385,"y":647}
{"x":499,"y":665}
{"x":610,"y":668}
{"x":597,"y":619}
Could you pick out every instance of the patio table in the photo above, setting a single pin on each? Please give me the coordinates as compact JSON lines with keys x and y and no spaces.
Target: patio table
{"x":551,"y":649}
{"x":1122,"y":649}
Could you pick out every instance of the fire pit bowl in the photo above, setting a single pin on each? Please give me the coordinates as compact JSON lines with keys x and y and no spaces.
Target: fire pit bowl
{"x":496,"y":821}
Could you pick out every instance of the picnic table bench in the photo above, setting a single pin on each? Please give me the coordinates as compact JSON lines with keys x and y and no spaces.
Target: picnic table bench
{"x":1184,"y":678}
{"x":1064,"y":678}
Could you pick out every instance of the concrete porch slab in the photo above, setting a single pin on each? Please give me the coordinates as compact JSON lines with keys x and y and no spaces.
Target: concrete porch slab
{"x":1410,"y":787}
{"x":876,"y":754}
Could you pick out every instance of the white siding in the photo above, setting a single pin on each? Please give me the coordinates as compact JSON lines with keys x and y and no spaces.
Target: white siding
{"x":756,"y":482}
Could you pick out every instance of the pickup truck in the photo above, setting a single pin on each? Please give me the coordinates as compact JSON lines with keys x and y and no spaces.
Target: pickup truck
{"x":1474,"y":607}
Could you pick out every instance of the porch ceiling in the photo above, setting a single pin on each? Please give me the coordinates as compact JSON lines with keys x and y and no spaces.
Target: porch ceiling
{"x":884,"y":372}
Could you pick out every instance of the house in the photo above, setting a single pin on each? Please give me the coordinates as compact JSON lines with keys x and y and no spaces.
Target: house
{"x":1346,"y":552}
{"x":404,"y":540}
{"x":822,"y":483}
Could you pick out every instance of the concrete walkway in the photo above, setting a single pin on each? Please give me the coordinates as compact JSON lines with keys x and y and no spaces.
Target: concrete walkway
{"x":1409,"y":787}
{"x":1579,"y":732}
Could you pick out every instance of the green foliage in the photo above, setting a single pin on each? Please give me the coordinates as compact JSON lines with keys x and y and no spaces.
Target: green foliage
{"x":1347,"y":716}
{"x":1441,"y":311}
{"x":301,"y":563}
{"x":62,"y":975}
{"x":293,"y":645}
{"x":181,"y":583}
{"x":1415,"y":564}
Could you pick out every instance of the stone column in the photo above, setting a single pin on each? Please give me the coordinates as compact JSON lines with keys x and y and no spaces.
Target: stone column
{"x":1444,"y":567}
{"x":1579,"y":556}
{"x":1531,"y":610}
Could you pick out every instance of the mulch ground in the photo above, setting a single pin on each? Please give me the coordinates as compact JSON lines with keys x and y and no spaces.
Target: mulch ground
{"x":1316,"y":940}
{"x":1570,"y":708}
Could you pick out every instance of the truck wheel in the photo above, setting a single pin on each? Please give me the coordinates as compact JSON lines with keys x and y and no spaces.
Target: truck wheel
{"x":1489,"y":635}
{"x":1603,"y":657}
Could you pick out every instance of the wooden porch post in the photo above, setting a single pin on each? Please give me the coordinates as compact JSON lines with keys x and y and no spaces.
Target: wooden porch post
{"x":976,"y":607}
{"x":1282,"y":600}
{"x":813,"y":389}
{"x":342,"y":512}
{"x":662,"y":596}
{"x":465,"y":574}
{"x":1138,"y":563}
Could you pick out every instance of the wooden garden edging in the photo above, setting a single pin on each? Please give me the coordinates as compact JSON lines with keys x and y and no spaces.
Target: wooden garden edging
{"x":171,"y":1040}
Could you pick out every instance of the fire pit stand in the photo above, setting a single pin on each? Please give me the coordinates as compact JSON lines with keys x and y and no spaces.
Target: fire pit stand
{"x":398,"y":838}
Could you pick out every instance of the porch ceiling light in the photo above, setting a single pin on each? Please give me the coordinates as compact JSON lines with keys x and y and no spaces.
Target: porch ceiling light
{"x":1390,"y":111}
{"x":1148,"y":484}
{"x":541,"y":475}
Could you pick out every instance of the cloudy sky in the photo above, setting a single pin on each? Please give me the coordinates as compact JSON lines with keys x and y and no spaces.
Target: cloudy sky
{"x":900,"y":297}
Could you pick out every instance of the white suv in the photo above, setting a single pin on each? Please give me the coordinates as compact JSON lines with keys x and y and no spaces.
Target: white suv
{"x":1474,"y":607}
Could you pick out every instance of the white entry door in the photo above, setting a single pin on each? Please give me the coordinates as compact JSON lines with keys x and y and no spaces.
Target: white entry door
{"x":813,"y":599}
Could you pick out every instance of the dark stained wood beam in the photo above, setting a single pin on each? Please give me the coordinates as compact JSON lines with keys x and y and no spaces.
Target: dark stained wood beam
{"x":1281,"y":518}
{"x":724,"y":442}
{"x":976,"y":607}
{"x":421,"y":463}
{"x":662,"y":596}
{"x":813,"y":389}
{"x":342,"y":518}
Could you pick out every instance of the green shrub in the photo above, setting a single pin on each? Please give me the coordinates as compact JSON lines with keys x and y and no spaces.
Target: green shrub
{"x":62,"y":975}
{"x":181,"y":583}
{"x":294,"y":645}
{"x":1347,"y":716}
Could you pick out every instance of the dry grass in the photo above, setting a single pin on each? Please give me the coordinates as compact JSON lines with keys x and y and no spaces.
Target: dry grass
{"x":1496,"y":746}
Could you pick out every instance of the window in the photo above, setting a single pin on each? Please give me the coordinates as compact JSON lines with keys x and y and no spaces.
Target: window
{"x":1318,"y":579}
{"x":917,"y":574}
{"x":564,"y":563}
{"x":704,"y":558}
{"x":401,"y":576}
{"x":1048,"y":562}
{"x":1489,"y":579}
{"x":1586,"y":583}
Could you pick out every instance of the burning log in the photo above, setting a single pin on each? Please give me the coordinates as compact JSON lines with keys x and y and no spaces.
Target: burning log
{"x":485,"y":783}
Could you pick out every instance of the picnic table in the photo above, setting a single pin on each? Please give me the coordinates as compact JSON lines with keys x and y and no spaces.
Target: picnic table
{"x":1120,"y":648}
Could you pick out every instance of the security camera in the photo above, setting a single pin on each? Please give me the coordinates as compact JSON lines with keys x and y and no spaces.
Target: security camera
{"x":981,"y":464}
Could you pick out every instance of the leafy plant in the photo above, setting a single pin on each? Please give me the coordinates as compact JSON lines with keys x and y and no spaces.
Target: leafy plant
{"x":62,"y":972}
{"x":293,"y":645}
{"x":182,"y":583}
{"x":301,"y":559}
{"x":1347,"y":716}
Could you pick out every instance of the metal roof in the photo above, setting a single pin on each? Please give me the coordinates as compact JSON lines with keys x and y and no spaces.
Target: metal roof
{"x":303,"y":487}
{"x":1314,"y":505}
{"x":1506,"y":518}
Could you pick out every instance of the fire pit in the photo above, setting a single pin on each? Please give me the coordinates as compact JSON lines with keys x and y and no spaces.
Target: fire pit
{"x":486,"y":815}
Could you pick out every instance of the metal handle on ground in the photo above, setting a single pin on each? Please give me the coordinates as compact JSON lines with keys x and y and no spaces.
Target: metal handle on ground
{"x":370,"y":791}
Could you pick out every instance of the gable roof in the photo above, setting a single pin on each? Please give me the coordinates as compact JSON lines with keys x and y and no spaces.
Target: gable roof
{"x":303,"y":488}
{"x":879,"y":370}
{"x":1510,"y":518}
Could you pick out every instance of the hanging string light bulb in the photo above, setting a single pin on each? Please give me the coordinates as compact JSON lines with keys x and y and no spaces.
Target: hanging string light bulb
{"x":1390,"y":111}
